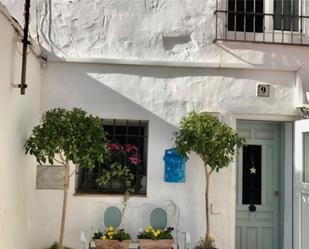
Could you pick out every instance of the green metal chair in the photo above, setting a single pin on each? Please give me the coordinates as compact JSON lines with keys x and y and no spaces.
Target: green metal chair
{"x":158,"y":218}
{"x":112,"y":217}
{"x":103,"y":215}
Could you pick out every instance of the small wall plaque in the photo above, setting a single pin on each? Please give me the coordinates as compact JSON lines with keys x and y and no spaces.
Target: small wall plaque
{"x":263,"y":90}
{"x":50,"y":177}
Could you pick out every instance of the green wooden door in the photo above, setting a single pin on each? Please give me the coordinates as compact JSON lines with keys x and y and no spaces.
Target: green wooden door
{"x":258,"y":187}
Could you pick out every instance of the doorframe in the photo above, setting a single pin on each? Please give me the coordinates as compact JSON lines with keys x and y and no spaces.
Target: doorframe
{"x":286,"y":173}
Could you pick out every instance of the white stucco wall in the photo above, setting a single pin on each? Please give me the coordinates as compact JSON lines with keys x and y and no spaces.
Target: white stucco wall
{"x":162,"y":96}
{"x":166,"y":30}
{"x":18,"y":114}
{"x":169,"y":30}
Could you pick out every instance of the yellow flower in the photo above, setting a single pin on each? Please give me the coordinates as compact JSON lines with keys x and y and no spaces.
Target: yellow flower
{"x":158,"y":231}
{"x":110,"y":233}
{"x":210,"y":238}
{"x":103,"y":237}
{"x":110,"y":229}
{"x":110,"y":237}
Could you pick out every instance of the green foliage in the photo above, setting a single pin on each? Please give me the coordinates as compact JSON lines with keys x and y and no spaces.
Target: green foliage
{"x":117,"y":171}
{"x":150,"y":233}
{"x":71,"y":135}
{"x":214,"y":141}
{"x":111,"y":234}
{"x":207,"y":243}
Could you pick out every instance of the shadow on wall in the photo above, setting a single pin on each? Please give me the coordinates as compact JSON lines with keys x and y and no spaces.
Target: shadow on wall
{"x":263,"y":55}
{"x":69,"y":85}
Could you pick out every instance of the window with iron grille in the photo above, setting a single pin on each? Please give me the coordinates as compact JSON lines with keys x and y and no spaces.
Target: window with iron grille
{"x":248,"y":15}
{"x":274,"y":21}
{"x":124,"y":135}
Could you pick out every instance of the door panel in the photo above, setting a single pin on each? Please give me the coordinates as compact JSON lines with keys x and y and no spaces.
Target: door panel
{"x":258,"y":185}
{"x":301,"y":185}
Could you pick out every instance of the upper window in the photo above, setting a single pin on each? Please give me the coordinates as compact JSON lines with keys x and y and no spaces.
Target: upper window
{"x":250,"y":15}
{"x":128,"y":146}
{"x":239,"y":21}
{"x":286,"y":15}
{"x":274,"y":21}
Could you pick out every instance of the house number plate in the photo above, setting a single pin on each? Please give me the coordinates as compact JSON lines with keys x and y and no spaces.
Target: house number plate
{"x":263,"y":90}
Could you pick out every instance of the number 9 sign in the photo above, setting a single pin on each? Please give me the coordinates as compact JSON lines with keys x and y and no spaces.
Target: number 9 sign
{"x":263,"y":90}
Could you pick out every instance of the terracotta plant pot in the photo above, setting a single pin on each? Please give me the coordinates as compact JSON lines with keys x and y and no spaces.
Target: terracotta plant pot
{"x":111,"y":244}
{"x":156,"y":244}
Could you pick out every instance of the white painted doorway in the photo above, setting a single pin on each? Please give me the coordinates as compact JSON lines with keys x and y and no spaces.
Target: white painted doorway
{"x":301,"y":185}
{"x":258,"y":187}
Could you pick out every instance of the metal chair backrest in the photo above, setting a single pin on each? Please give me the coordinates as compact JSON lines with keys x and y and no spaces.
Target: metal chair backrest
{"x":112,"y":217}
{"x":158,"y":218}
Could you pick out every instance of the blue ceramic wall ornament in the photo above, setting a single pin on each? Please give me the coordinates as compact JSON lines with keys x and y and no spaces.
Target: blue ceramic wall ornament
{"x":174,"y":170}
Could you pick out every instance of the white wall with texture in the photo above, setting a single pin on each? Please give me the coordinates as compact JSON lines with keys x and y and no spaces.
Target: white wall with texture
{"x":18,"y":114}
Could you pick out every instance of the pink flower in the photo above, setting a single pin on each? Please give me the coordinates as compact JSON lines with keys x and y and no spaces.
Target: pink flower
{"x":134,"y":160}
{"x":130,"y":148}
{"x":114,"y":146}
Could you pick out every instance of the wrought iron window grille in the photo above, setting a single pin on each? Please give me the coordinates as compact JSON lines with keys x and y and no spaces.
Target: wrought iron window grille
{"x":257,"y":21}
{"x":122,"y":132}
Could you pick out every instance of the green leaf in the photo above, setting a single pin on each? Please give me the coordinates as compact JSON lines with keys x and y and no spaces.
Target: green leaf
{"x":214,"y":141}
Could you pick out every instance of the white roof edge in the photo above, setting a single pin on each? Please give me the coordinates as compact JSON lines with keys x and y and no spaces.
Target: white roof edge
{"x":180,"y":64}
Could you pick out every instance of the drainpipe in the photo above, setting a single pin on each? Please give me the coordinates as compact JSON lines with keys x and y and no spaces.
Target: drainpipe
{"x":25,"y":41}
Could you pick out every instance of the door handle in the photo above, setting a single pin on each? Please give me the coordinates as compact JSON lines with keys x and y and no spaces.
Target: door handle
{"x":252,"y":208}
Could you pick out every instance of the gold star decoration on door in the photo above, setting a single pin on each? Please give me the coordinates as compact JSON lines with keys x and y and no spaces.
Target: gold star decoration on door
{"x":252,"y":170}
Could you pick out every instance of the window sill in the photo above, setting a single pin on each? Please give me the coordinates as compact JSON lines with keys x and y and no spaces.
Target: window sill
{"x":95,"y":194}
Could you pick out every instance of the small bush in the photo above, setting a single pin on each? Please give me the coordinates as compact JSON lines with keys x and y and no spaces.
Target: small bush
{"x":206,"y":243}
{"x":55,"y":246}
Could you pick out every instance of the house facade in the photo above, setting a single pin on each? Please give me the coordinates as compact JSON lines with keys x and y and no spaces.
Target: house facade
{"x":142,"y":66}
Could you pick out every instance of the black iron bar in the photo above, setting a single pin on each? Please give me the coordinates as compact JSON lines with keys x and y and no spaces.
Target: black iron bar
{"x":226,"y":20}
{"x":266,"y":42}
{"x":235,"y":20}
{"x":282,"y":21}
{"x":23,"y":84}
{"x":301,"y":22}
{"x":263,"y":28}
{"x":254,"y":7}
{"x":245,"y":18}
{"x":138,"y":168}
{"x":258,"y":13}
{"x":292,"y":22}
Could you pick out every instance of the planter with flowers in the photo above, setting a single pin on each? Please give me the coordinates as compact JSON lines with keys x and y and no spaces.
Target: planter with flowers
{"x":152,"y":238}
{"x":111,"y":239}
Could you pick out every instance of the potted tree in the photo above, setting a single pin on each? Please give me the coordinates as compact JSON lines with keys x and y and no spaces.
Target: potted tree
{"x":67,"y":137}
{"x":215,"y":143}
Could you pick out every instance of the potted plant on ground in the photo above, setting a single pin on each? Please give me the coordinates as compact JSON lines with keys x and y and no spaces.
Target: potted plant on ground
{"x":66,"y":138}
{"x":215,"y":143}
{"x":111,"y":239}
{"x":152,"y":238}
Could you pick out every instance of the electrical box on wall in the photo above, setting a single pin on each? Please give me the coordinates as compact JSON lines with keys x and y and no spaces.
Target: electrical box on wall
{"x":174,"y":170}
{"x":263,"y":90}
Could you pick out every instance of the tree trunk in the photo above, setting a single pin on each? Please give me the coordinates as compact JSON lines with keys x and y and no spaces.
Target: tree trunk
{"x":207,"y":173}
{"x":65,"y":202}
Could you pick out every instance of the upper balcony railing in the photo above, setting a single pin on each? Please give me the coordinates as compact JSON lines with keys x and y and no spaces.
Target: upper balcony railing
{"x":263,"y":21}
